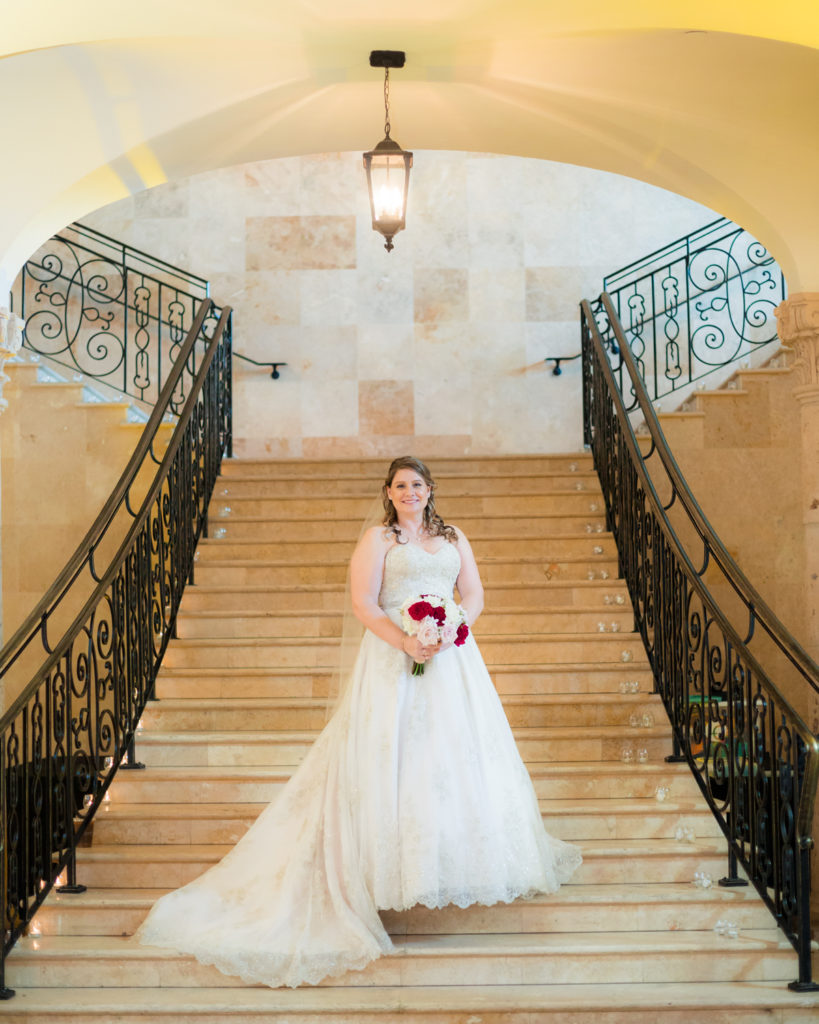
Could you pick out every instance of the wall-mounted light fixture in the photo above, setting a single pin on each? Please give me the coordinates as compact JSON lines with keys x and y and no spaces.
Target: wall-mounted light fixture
{"x":388,"y":166}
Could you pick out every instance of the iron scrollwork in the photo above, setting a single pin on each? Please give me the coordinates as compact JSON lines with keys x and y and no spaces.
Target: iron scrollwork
{"x":108,"y":312}
{"x":754,"y":758}
{"x":699,"y":304}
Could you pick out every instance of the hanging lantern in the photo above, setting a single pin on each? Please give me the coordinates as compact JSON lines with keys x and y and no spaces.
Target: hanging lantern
{"x":388,"y":166}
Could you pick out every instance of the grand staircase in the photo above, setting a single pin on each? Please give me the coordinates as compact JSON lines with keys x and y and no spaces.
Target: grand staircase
{"x":241,"y":698}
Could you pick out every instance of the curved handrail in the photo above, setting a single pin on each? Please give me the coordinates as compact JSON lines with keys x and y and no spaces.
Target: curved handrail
{"x":751,"y":753}
{"x":118,"y":497}
{"x":684,"y":243}
{"x":64,"y":738}
{"x":83,"y":557}
{"x":662,"y":449}
{"x":125,"y":252}
{"x":759,"y":611}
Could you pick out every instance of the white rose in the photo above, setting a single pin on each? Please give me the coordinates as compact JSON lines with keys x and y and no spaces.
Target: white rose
{"x":448,"y":632}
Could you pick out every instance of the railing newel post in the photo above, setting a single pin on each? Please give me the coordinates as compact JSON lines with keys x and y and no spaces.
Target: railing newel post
{"x":732,"y":880}
{"x":804,"y":982}
{"x":5,"y":909}
{"x":131,"y":764}
{"x":71,"y":888}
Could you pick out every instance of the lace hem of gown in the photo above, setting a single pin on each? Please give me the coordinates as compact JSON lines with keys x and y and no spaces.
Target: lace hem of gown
{"x":565,"y":867}
{"x":278,"y":970}
{"x":293,"y":969}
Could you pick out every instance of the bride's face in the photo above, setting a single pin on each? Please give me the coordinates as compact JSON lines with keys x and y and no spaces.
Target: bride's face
{"x":409,"y":492}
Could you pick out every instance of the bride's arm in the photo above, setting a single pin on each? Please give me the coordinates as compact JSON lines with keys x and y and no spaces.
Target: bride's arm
{"x":366,"y":574}
{"x":469,"y":581}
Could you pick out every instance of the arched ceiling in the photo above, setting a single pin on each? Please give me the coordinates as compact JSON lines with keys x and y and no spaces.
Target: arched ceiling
{"x":714,"y":100}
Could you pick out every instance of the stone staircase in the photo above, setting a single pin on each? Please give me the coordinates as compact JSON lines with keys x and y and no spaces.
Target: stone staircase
{"x":241,"y":698}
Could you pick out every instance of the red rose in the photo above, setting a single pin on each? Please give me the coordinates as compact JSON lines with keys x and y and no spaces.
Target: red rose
{"x":420,"y":610}
{"x":439,"y":614}
{"x":463,"y":633}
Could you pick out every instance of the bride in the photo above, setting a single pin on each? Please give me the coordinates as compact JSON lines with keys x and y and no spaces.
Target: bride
{"x":413,"y":793}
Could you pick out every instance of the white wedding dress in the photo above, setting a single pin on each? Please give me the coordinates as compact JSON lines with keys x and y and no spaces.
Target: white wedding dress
{"x":413,"y":793}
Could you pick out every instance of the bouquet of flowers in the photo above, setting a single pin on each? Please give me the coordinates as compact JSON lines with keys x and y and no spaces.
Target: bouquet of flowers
{"x":433,"y":620}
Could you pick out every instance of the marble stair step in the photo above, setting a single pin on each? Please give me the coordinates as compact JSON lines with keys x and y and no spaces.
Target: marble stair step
{"x":605,"y":861}
{"x":586,"y":709}
{"x":375,"y":468}
{"x":237,"y":713}
{"x":256,"y":572}
{"x":222,"y":545}
{"x":329,"y":597}
{"x":260,"y":524}
{"x":231,"y":784}
{"x":589,"y":1003}
{"x":572,"y":820}
{"x":648,"y":907}
{"x":211,"y":683}
{"x":269,"y":748}
{"x":579,"y":678}
{"x":357,"y":485}
{"x":294,"y":600}
{"x":486,"y":959}
{"x":295,"y":682}
{"x":250,"y":498}
{"x":215,"y":569}
{"x":322,"y":652}
{"x":586,"y":908}
{"x":274,"y":622}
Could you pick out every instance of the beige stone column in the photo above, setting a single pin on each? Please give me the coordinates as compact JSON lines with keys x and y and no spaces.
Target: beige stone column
{"x":798,"y":329}
{"x":11,"y":340}
{"x":798,"y":320}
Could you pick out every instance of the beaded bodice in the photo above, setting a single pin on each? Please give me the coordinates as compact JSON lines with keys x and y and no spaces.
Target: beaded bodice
{"x":409,"y":570}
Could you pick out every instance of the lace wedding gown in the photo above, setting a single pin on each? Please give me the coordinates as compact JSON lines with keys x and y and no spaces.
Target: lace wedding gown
{"x":413,"y":793}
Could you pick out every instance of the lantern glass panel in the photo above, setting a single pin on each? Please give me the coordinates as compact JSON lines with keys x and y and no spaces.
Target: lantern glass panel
{"x":388,"y":177}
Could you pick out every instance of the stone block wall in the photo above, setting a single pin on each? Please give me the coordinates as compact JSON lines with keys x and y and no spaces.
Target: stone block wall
{"x":437,"y":347}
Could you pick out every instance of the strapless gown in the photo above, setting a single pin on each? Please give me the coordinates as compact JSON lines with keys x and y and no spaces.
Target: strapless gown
{"x":413,"y":793}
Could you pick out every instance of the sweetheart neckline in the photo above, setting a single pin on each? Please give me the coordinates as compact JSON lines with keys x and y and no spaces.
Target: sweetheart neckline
{"x":418,"y":547}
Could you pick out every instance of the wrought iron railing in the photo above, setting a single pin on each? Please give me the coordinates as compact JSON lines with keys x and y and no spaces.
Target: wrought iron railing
{"x":64,"y":737}
{"x":755,"y":759}
{"x":696,"y":305}
{"x":110,"y":312}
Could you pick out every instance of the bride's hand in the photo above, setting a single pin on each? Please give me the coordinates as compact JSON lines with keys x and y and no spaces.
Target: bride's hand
{"x":418,"y":651}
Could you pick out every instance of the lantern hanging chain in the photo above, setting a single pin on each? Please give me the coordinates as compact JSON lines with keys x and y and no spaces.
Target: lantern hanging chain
{"x":387,"y":102}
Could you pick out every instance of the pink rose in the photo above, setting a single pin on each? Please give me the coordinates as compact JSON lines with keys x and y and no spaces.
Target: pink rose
{"x":448,"y":633}
{"x":428,"y":633}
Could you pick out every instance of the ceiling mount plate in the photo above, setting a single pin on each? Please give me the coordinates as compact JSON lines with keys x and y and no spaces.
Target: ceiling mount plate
{"x":387,"y":58}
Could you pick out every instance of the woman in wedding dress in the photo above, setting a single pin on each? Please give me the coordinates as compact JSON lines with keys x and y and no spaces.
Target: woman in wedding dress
{"x":413,"y":793}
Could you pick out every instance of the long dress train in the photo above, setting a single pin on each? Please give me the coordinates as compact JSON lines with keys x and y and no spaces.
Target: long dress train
{"x":413,"y":793}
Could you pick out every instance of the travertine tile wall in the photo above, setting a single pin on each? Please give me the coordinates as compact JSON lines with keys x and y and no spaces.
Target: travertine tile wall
{"x":437,"y":347}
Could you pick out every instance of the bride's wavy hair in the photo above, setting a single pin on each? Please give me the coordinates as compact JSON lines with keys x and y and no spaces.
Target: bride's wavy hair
{"x":433,"y":523}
